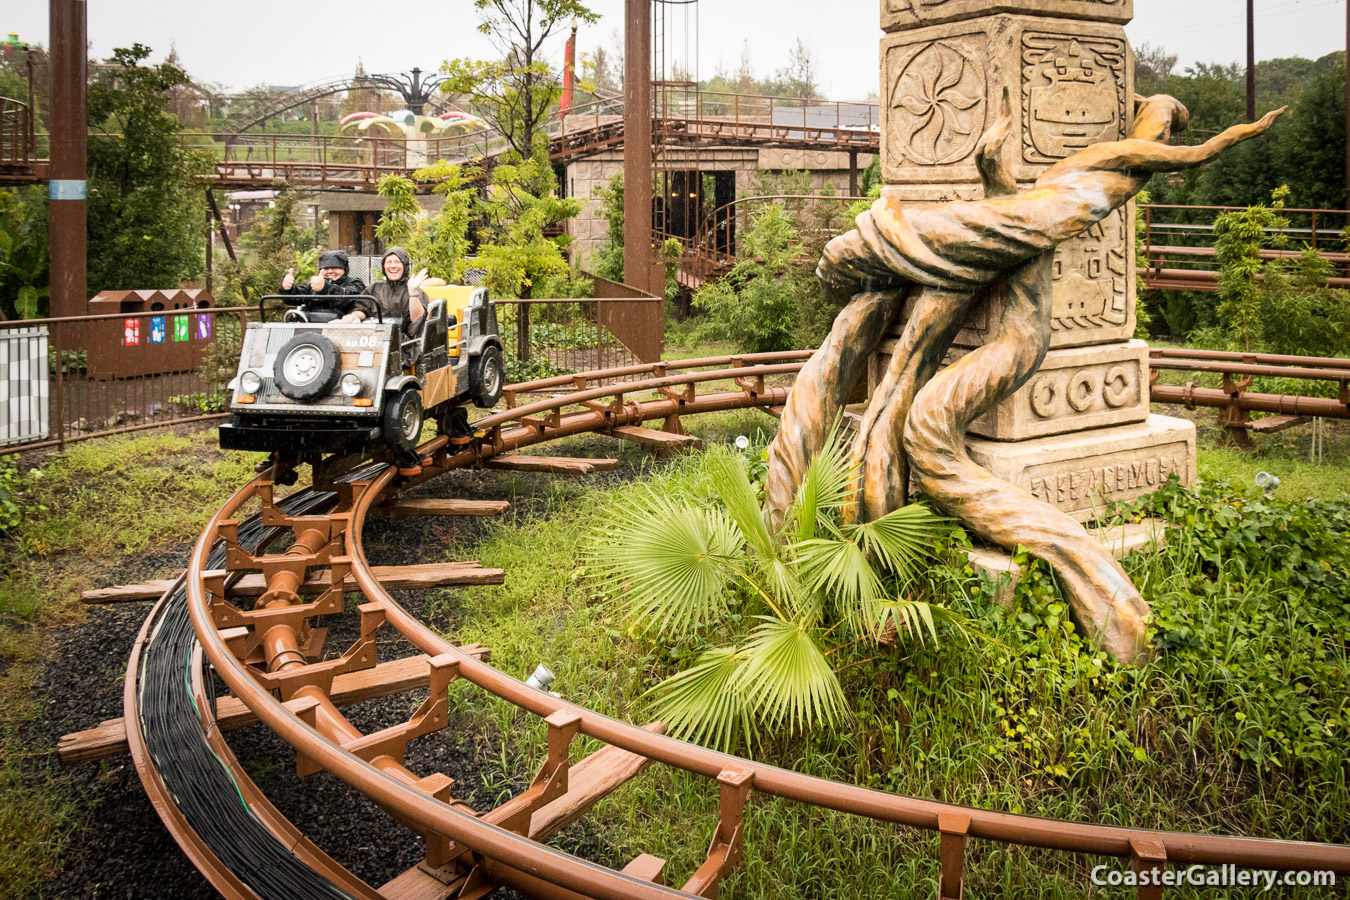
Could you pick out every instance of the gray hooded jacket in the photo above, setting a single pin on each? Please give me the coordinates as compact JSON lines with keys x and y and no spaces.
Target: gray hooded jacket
{"x":393,"y":297}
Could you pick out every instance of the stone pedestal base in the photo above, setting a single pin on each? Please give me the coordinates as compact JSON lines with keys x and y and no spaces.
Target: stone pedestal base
{"x":1078,"y":473}
{"x":998,"y":568}
{"x":1075,"y":389}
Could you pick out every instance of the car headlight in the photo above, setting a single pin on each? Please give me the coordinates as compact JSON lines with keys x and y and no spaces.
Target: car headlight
{"x":351,"y":384}
{"x":250,"y":382}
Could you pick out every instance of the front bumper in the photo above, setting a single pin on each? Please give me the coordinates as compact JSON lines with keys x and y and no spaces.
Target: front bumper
{"x":297,"y":437}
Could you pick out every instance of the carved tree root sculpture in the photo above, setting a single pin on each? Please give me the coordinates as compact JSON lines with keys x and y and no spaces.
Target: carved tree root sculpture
{"x":1102,"y":597}
{"x":822,"y":388}
{"x":948,"y":256}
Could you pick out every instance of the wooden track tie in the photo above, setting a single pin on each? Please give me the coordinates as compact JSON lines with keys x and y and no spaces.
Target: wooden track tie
{"x":444,"y":507}
{"x":109,"y":739}
{"x":556,"y":465}
{"x":394,"y":578}
{"x":653,"y":438}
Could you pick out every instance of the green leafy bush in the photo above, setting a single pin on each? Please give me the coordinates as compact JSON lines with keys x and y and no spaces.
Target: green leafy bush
{"x":1278,"y":305}
{"x":16,"y":493}
{"x":755,"y":303}
{"x":1251,"y":603}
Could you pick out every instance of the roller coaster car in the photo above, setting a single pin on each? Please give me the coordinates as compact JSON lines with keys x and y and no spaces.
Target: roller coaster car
{"x":313,"y":384}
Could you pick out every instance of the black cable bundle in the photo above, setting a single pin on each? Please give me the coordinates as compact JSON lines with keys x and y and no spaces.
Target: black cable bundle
{"x":201,"y":786}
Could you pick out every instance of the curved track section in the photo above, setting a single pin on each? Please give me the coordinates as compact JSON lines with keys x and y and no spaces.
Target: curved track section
{"x":178,"y":763}
{"x":257,"y":649}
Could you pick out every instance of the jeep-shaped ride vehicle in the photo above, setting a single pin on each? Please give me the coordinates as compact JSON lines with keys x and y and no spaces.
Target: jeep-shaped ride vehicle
{"x":311,"y":384}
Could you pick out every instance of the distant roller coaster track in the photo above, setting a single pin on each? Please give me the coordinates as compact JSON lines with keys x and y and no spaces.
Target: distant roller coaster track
{"x":247,"y":849}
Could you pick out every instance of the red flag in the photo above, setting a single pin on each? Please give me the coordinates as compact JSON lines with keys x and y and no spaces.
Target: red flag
{"x":569,"y":73}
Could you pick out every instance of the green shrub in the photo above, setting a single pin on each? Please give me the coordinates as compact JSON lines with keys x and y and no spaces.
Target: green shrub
{"x":755,"y":303}
{"x":1250,"y":605}
{"x":15,"y":493}
{"x":1278,"y":305}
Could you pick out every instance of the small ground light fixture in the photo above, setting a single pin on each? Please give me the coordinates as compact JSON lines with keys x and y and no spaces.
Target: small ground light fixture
{"x":742,"y":442}
{"x":541,"y":678}
{"x":1267,"y":482}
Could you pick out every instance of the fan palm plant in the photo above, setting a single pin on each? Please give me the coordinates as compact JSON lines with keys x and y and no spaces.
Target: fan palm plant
{"x":790,"y":598}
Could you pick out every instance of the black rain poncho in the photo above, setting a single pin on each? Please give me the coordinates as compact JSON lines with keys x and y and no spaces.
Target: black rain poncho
{"x":346,"y":286}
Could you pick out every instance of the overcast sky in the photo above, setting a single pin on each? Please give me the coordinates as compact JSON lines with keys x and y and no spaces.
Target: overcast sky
{"x":283,"y":42}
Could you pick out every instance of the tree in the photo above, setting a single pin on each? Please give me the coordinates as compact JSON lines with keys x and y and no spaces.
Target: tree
{"x":755,"y":303}
{"x":1279,"y":305}
{"x":276,"y":243}
{"x":24,"y":258}
{"x":401,"y":212}
{"x":1152,"y":67}
{"x":764,"y":611}
{"x":145,"y":190}
{"x":185,"y":101}
{"x":607,"y":262}
{"x":607,"y":66}
{"x":438,"y":243}
{"x":516,"y":92}
{"x":520,"y":206}
{"x":798,"y":78}
{"x":1312,"y":146}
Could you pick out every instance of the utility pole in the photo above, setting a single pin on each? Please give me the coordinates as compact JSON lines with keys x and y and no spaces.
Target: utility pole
{"x":637,"y":147}
{"x":1251,"y":62}
{"x":1347,"y":105}
{"x":67,"y":186}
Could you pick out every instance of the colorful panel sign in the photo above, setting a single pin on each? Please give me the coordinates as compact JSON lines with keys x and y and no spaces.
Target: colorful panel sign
{"x":203,"y":327}
{"x":181,"y":328}
{"x":158,"y":330}
{"x":131,"y":332}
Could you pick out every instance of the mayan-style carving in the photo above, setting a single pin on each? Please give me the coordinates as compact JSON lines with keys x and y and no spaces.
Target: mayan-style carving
{"x":1079,"y":473}
{"x":1091,"y":277}
{"x":898,"y":15}
{"x":940,"y":86}
{"x":1074,"y":389}
{"x":1073,"y":93}
{"x":941,"y":260}
{"x":937,"y":103}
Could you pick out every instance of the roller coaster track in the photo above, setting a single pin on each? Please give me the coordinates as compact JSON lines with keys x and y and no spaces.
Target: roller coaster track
{"x":248,"y":850}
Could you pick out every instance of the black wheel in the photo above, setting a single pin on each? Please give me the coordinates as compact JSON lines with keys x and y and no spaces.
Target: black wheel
{"x":486,"y":377}
{"x":307,"y":367}
{"x":403,"y":420}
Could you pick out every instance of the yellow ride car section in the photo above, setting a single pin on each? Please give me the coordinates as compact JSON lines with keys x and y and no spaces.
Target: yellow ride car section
{"x":456,"y":297}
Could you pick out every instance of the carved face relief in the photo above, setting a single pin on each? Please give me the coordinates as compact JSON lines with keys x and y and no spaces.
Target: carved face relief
{"x":1073,"y":93}
{"x":937,"y":104}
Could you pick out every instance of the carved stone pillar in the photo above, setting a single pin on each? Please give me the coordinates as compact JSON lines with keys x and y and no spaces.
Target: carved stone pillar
{"x":1079,"y":432}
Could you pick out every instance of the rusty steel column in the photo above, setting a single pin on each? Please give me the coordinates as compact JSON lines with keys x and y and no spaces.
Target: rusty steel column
{"x":66,"y":189}
{"x":1251,"y":62}
{"x":637,"y":145}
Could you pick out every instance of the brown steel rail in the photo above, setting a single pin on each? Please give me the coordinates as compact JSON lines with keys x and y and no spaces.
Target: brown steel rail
{"x":1235,"y":400}
{"x":1180,"y":255}
{"x":500,"y":855}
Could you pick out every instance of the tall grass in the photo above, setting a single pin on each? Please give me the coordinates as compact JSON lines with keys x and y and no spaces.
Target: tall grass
{"x":1036,"y":720}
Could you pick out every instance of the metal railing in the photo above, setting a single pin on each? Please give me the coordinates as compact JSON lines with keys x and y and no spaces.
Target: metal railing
{"x":1235,"y":400}
{"x":714,"y":248}
{"x":78,"y":387}
{"x":553,"y":336}
{"x":16,"y":132}
{"x":1179,"y":243}
{"x":685,"y":112}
